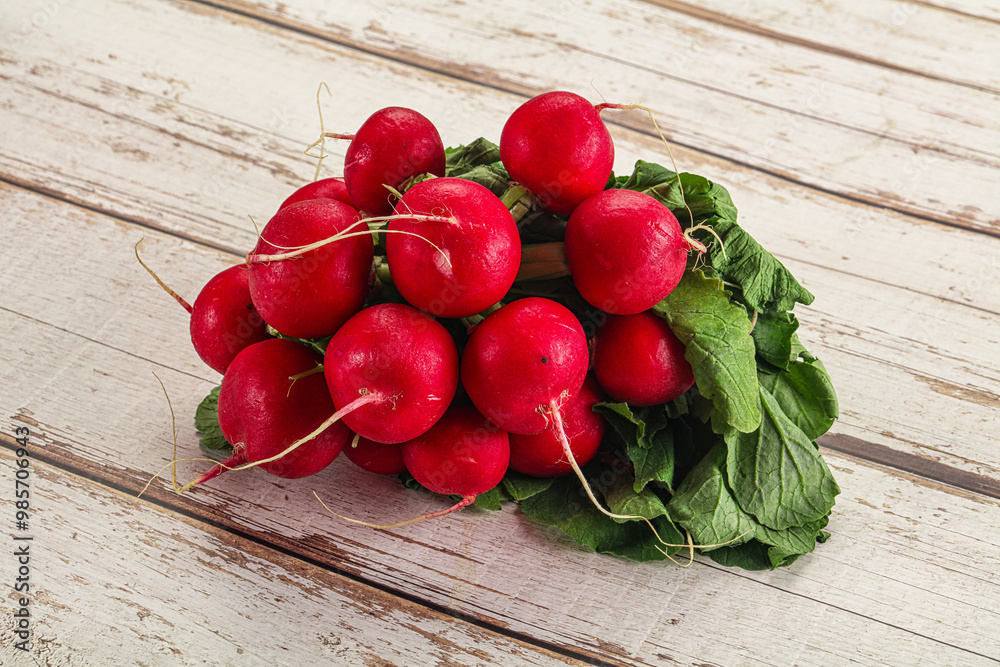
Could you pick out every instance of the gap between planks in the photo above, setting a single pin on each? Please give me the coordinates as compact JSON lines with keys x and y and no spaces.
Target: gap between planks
{"x":124,"y":481}
{"x":951,"y":9}
{"x":494,"y":80}
{"x":729,"y":21}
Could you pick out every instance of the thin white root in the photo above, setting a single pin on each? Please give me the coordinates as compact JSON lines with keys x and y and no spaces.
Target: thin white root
{"x":296,"y":251}
{"x":166,"y":288}
{"x":564,"y":441}
{"x":464,"y":502}
{"x":666,"y":143}
{"x":362,"y":400}
{"x":322,"y":133}
{"x":698,"y":245}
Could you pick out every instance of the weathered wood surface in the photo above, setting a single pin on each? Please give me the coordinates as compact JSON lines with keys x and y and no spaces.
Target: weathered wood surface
{"x":838,"y":124}
{"x":146,"y":138}
{"x":473,"y":563}
{"x":119,"y":581}
{"x":864,"y":157}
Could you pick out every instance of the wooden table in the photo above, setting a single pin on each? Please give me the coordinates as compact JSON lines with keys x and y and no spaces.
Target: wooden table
{"x":861,"y":142}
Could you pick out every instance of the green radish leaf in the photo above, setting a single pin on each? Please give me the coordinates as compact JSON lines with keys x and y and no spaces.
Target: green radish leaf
{"x":750,"y":555}
{"x":634,"y":425}
{"x":705,"y":507}
{"x":654,"y":463}
{"x":648,"y":438}
{"x":623,"y":498}
{"x":520,"y":486}
{"x":206,"y":420}
{"x":461,"y":159}
{"x":716,"y":331}
{"x":767,"y":285}
{"x":776,"y":473}
{"x":478,"y":161}
{"x":772,"y":335}
{"x":495,"y":179}
{"x":565,"y":506}
{"x":805,"y":394}
{"x":784,"y":546}
{"x":491,"y":499}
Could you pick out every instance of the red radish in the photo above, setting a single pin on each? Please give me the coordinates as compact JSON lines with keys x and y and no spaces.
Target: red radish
{"x":471,"y":260}
{"x":522,"y":364}
{"x":401,"y":363}
{"x":557,"y":146}
{"x":326,"y":188}
{"x":224,"y":321}
{"x":310,"y":296}
{"x":541,"y":455}
{"x":463,"y":454}
{"x":626,"y":251}
{"x":263,"y":411}
{"x":376,"y":457}
{"x":394,"y":144}
{"x":638,"y":360}
{"x":522,"y":359}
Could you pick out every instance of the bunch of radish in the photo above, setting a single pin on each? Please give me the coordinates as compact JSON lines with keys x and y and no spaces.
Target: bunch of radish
{"x":515,"y":323}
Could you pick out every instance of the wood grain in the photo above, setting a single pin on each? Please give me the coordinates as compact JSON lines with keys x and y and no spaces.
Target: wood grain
{"x":223,"y":170}
{"x":868,"y":169}
{"x":910,"y":565}
{"x":121,"y":581}
{"x":866,"y":134}
{"x":914,"y":37}
{"x":806,"y":115}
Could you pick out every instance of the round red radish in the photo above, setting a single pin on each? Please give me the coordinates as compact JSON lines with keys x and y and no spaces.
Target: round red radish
{"x":325,"y":188}
{"x":311,"y":295}
{"x":557,"y":146}
{"x":638,"y":360}
{"x":463,"y":454}
{"x":474,"y":257}
{"x":377,"y":457}
{"x":224,"y":321}
{"x":626,"y":251}
{"x":262,"y":411}
{"x":520,"y":359}
{"x":406,"y":360}
{"x":394,"y":144}
{"x":541,"y":455}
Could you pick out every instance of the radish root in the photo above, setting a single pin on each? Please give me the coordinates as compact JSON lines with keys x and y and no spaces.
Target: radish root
{"x":238,"y":460}
{"x":173,"y":463}
{"x":560,"y":431}
{"x":296,"y":251}
{"x":464,"y":502}
{"x":673,"y":162}
{"x":322,"y":133}
{"x":178,"y":297}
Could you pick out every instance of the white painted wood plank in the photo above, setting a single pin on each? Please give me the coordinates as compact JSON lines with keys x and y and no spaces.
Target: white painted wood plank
{"x":832,"y":123}
{"x":948,"y":41}
{"x":197,"y":174}
{"x":973,"y":8}
{"x":802,"y":113}
{"x":882,"y":591}
{"x":116,"y":581}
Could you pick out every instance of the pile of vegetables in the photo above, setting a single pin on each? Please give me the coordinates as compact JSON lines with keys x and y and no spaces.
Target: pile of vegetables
{"x":615,"y":354}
